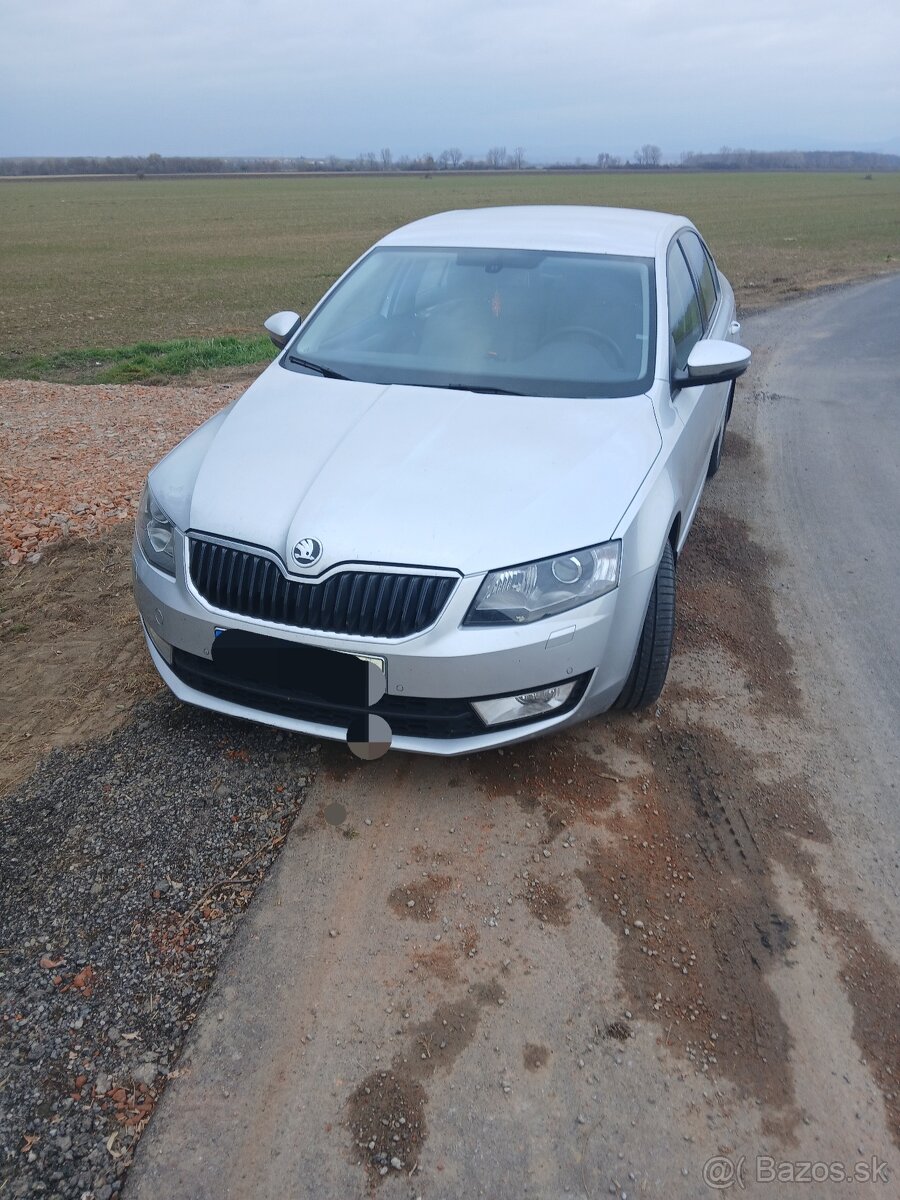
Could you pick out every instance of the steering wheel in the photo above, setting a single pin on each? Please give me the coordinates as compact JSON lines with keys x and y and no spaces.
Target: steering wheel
{"x":601,"y":340}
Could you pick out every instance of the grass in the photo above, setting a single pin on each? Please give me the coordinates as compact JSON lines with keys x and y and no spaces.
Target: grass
{"x":146,"y":362}
{"x":170,"y":263}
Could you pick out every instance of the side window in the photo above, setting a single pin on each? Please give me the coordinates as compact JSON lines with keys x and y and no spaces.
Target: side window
{"x":699,"y":261}
{"x":685,"y":321}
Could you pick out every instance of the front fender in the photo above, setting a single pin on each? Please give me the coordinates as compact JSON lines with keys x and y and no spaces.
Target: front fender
{"x":645,"y":527}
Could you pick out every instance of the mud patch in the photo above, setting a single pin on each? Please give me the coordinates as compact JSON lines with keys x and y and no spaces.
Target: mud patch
{"x":386,"y":1115}
{"x":387,"y":1111}
{"x":686,"y":883}
{"x":790,"y":809}
{"x":335,"y":761}
{"x":724,"y":597}
{"x":436,"y":1043}
{"x":871,"y":981}
{"x":418,"y":900}
{"x":739,"y":448}
{"x":534,"y":1057}
{"x":556,"y":775}
{"x":546,"y":902}
{"x":685,"y":887}
{"x":440,"y":963}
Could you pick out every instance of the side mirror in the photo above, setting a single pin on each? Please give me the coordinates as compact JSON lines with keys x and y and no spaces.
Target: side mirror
{"x":280,"y":326}
{"x":712,"y":361}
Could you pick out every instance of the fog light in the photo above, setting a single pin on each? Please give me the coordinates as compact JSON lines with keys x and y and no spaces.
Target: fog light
{"x":165,"y":650}
{"x":538,"y":703}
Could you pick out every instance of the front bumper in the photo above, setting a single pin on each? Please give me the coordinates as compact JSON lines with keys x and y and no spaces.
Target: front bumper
{"x":431,"y":677}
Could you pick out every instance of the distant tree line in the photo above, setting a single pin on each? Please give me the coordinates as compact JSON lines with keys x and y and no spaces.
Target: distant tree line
{"x":727,"y":159}
{"x":135,"y":164}
{"x":496,"y":158}
{"x":145,"y":166}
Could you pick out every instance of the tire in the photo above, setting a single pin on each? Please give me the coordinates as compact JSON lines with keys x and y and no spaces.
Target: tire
{"x":715,"y":459}
{"x":651,"y":662}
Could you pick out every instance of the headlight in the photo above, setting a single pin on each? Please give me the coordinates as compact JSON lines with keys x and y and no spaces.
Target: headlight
{"x":155,"y":533}
{"x":551,"y":585}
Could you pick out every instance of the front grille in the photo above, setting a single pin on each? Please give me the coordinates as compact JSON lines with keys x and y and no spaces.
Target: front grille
{"x":373,"y":604}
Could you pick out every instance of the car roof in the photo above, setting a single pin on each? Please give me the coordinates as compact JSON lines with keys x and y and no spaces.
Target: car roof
{"x":581,"y":228}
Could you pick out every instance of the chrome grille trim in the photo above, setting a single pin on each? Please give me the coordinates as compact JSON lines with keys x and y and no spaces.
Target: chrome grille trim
{"x":361,"y":602}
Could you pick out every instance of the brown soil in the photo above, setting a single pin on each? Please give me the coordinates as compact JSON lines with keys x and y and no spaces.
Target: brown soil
{"x":417,"y":900}
{"x":738,"y":447}
{"x":685,"y":887}
{"x":871,"y":980}
{"x":546,"y":902}
{"x":723,"y":597}
{"x":72,"y":656}
{"x":387,"y":1120}
{"x":72,"y":459}
{"x":566,"y":783}
{"x":534,"y":1057}
{"x":440,"y":962}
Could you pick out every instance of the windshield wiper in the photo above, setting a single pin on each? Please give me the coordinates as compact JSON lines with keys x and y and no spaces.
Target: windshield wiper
{"x":485,"y":391}
{"x":317,"y":367}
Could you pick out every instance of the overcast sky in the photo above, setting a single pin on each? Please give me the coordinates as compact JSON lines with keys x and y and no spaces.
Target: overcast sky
{"x":278,"y":77}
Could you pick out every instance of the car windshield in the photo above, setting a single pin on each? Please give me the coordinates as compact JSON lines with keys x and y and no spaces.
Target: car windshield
{"x":525,"y":322}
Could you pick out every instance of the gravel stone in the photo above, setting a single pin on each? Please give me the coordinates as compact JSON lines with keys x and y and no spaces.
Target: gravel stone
{"x":145,"y":1074}
{"x":85,"y":842}
{"x":71,"y":457}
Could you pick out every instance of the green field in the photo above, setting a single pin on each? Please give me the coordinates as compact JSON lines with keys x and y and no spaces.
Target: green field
{"x":103,"y":264}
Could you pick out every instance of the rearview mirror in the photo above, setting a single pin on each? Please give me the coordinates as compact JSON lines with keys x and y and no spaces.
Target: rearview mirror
{"x":713,"y":361}
{"x":280,"y":326}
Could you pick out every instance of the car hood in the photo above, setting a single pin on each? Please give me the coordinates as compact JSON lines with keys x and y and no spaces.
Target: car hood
{"x":410,"y":475}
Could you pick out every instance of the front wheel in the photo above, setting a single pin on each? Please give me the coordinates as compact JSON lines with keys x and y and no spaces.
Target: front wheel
{"x":651,"y":662}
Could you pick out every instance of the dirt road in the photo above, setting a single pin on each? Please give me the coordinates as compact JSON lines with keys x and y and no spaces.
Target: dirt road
{"x":592,"y":964}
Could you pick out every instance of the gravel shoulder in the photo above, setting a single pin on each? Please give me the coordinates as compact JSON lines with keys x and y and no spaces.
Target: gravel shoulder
{"x":125,"y":868}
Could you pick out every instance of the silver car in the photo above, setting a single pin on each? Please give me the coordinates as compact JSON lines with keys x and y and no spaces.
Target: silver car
{"x":448,"y":515}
